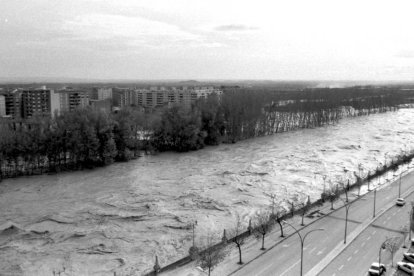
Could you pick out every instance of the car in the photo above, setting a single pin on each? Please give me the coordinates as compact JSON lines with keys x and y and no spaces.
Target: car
{"x":409,"y":257}
{"x":377,"y":269}
{"x":400,"y":202}
{"x":407,"y":267}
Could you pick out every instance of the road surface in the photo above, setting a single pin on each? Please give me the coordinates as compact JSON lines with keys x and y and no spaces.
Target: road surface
{"x":284,"y":259}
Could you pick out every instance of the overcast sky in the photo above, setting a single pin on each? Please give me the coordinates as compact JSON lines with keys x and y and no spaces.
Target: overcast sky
{"x":194,"y":39}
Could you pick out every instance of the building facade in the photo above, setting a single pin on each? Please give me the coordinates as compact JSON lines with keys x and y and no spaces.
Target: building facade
{"x":2,"y":105}
{"x":43,"y":102}
{"x":123,"y":97}
{"x":101,"y":93}
{"x":13,"y":103}
{"x":160,"y":96}
{"x":72,"y":99}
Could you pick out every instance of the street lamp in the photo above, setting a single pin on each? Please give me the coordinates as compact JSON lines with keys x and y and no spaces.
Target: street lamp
{"x":399,"y":187}
{"x":302,"y":241}
{"x":347,"y":206}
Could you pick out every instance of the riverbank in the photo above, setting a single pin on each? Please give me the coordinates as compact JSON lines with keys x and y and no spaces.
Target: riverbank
{"x":29,"y":162}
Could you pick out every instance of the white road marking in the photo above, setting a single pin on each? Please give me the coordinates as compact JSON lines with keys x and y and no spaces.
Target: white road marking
{"x":340,"y":268}
{"x":310,"y":252}
{"x":387,"y":197}
{"x":374,"y":232}
{"x":362,"y":244}
{"x":289,"y":268}
{"x":286,"y":245}
{"x":369,"y":237}
{"x":349,"y":258}
{"x":356,"y":251}
{"x":320,"y":252}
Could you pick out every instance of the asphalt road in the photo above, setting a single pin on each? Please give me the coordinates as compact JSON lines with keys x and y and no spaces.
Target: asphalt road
{"x":284,"y":259}
{"x":358,"y":256}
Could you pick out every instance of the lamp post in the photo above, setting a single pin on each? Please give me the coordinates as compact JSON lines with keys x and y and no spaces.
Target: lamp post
{"x":302,"y":241}
{"x":399,"y":187}
{"x":347,"y":206}
{"x":375,"y":197}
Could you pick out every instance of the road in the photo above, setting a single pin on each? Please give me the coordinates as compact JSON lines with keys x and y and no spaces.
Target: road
{"x":357,"y":257}
{"x":284,"y":259}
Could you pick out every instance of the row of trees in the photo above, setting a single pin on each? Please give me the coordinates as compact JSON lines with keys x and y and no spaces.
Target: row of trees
{"x":88,"y":138}
{"x":210,"y":253}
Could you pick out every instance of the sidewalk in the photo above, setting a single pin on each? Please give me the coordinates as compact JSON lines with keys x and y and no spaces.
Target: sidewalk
{"x":251,"y":248}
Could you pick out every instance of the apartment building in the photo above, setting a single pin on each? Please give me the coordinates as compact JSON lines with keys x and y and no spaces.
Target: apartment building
{"x":123,"y":97}
{"x":13,"y":102}
{"x":161,"y":96}
{"x":101,"y":93}
{"x":2,"y":105}
{"x":71,"y":99}
{"x":42,"y":101}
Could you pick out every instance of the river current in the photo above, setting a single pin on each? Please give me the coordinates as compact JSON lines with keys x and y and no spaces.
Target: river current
{"x":117,"y":218}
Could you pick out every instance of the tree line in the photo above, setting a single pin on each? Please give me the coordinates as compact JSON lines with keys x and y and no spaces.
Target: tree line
{"x":86,"y":137}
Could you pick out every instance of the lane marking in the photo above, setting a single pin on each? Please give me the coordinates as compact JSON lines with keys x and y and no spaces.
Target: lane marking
{"x":349,"y":258}
{"x":320,"y":252}
{"x":375,"y":231}
{"x":340,"y":268}
{"x":310,"y":252}
{"x":356,"y":251}
{"x":289,"y":268}
{"x":369,"y":237}
{"x":362,"y":244}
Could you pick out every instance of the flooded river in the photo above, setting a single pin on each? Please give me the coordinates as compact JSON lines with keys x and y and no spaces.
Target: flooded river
{"x":117,"y":218}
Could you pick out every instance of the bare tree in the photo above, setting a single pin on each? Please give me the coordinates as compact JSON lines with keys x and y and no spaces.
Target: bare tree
{"x":392,"y":245}
{"x":345,"y":188}
{"x":291,"y":207}
{"x":404,"y":233}
{"x":238,"y":236}
{"x":304,"y":209}
{"x":262,"y":225}
{"x":277,"y":212}
{"x":211,"y":254}
{"x":278,"y":217}
{"x":331,"y":194}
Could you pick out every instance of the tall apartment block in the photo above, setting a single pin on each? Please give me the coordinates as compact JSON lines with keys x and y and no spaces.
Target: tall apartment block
{"x":44,"y":102}
{"x":2,"y":105}
{"x":13,"y":102}
{"x":71,"y":99}
{"x":160,"y":96}
{"x":101,"y":93}
{"x":123,"y":97}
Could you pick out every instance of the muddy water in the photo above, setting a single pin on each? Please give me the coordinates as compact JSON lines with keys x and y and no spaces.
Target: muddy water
{"x":117,"y":218}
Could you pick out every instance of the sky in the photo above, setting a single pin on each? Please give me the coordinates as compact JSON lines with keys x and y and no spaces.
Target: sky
{"x":209,"y":39}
